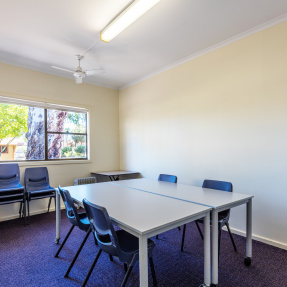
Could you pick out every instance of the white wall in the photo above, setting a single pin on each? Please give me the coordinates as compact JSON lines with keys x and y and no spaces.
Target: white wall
{"x":104,"y":130}
{"x":221,"y":116}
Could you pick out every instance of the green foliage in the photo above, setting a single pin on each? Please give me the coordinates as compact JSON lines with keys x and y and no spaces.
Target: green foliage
{"x":13,"y":120}
{"x":80,"y":149}
{"x":66,"y":151}
{"x":78,"y":139}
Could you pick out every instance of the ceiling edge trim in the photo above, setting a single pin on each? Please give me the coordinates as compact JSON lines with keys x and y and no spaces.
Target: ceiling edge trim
{"x":224,"y":43}
{"x":49,"y":73}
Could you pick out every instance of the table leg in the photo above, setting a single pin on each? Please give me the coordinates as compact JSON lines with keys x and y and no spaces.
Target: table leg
{"x":214,"y":247}
{"x":207,"y":271}
{"x":143,"y":261}
{"x":247,"y":260}
{"x":58,"y":217}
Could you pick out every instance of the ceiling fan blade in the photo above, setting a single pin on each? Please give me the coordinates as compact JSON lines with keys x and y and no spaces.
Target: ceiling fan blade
{"x":63,"y":69}
{"x":94,"y":71}
{"x":79,"y":80}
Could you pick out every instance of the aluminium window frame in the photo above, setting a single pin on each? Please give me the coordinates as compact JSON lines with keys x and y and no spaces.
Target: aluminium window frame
{"x":46,"y":106}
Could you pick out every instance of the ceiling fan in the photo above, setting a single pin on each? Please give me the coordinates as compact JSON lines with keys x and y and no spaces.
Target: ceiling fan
{"x":79,"y":74}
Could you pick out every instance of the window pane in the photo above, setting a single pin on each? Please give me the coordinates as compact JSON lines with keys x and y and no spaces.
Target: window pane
{"x":35,"y":135}
{"x":66,"y":146}
{"x":21,"y":132}
{"x":63,"y":121}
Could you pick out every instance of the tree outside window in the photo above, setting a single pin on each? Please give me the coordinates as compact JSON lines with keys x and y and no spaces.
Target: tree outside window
{"x":34,"y":133}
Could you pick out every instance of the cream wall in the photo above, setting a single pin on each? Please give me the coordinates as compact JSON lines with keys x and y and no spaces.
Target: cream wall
{"x":104,"y":130}
{"x":221,"y":116}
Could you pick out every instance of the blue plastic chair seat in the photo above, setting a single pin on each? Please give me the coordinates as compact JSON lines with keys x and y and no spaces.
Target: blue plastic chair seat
{"x":130,"y":244}
{"x":11,"y":190}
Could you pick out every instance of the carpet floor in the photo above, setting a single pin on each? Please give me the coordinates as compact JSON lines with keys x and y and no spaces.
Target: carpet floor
{"x":27,"y":259}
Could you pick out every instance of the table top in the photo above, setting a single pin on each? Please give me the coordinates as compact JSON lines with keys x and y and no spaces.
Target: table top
{"x":139,"y":211}
{"x":194,"y":194}
{"x":115,"y":172}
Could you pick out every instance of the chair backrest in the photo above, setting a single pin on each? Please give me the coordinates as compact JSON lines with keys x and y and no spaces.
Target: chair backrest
{"x":219,"y":185}
{"x":103,"y":229}
{"x":168,"y":178}
{"x":9,"y":176}
{"x":71,"y":209}
{"x":36,"y":178}
{"x":84,"y":180}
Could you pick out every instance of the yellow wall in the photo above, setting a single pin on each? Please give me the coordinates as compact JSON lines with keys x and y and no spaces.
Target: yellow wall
{"x":221,"y":116}
{"x":104,"y":131}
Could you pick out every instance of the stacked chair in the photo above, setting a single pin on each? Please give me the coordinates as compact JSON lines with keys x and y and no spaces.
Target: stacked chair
{"x":11,"y":190}
{"x":37,"y":186}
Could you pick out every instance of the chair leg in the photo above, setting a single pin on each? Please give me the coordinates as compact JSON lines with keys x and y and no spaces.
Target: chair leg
{"x":125,"y":267}
{"x":183,"y":235}
{"x":231,"y":237}
{"x":96,"y":241}
{"x":59,"y":250}
{"x":179,"y":228}
{"x":152,"y":271}
{"x":92,"y":267}
{"x":156,"y":237}
{"x":49,"y":203}
{"x":24,"y":211}
{"x":111,"y":258}
{"x":199,"y":230}
{"x":127,"y":275}
{"x":20,"y":210}
{"x":28,"y":206}
{"x":78,"y":252}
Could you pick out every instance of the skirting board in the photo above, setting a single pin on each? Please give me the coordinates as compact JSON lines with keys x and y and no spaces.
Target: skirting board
{"x":259,"y":238}
{"x":40,"y":211}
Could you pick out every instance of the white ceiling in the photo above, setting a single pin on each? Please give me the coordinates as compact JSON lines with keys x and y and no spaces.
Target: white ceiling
{"x":38,"y":34}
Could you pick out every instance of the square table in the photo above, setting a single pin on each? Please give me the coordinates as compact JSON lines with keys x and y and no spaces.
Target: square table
{"x":218,"y":200}
{"x":142,"y":214}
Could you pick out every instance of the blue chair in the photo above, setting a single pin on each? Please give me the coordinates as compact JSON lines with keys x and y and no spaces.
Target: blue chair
{"x":167,"y":178}
{"x":119,"y":243}
{"x":76,"y":219}
{"x":11,"y":190}
{"x":223,"y":216}
{"x":37,"y":185}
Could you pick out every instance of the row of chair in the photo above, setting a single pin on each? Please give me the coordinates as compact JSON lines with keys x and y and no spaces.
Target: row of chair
{"x":120,"y":243}
{"x":36,"y":186}
{"x":223,"y":216}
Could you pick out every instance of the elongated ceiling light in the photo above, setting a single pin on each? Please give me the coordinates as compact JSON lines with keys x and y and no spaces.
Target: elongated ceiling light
{"x":127,"y":17}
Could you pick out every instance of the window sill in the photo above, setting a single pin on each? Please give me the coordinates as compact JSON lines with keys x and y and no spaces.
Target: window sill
{"x":46,"y":163}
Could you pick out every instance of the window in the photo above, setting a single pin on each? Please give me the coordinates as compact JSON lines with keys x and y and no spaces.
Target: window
{"x":42,"y":133}
{"x":3,"y":149}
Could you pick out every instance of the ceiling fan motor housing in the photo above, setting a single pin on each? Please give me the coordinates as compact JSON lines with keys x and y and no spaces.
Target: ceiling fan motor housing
{"x":79,"y":74}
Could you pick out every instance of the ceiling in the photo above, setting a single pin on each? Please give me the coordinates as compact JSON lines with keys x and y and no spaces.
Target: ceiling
{"x":39,"y":34}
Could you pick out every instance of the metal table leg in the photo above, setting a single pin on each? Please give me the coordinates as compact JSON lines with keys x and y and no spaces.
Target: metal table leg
{"x":214,"y":247}
{"x":207,"y":271}
{"x":247,"y":260}
{"x":58,"y":217}
{"x":143,"y":260}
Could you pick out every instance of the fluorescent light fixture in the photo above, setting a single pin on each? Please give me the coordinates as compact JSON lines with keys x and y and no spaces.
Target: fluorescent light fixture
{"x":127,"y":17}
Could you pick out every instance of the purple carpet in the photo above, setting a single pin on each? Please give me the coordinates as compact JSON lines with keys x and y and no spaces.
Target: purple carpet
{"x":27,"y":259}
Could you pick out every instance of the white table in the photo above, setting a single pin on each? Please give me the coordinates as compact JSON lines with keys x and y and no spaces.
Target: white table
{"x":216,"y":199}
{"x":142,"y":214}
